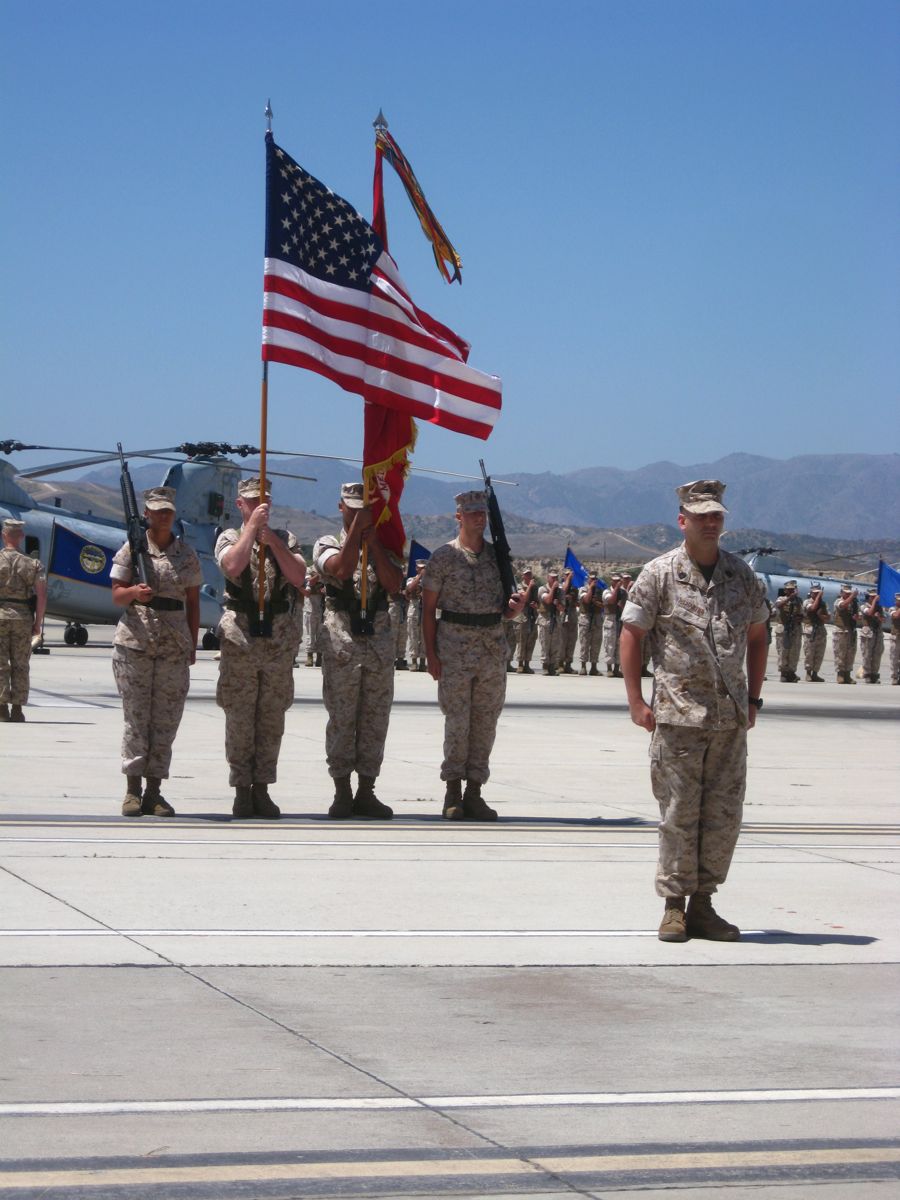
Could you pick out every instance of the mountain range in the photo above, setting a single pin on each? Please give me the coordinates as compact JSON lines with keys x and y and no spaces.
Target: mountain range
{"x":849,"y":496}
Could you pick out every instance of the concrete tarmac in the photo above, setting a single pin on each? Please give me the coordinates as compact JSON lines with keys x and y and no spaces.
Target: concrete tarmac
{"x":205,"y":1008}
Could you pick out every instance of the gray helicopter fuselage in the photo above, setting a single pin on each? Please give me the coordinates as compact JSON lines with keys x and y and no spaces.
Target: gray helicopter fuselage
{"x":775,"y":573}
{"x":77,"y":550}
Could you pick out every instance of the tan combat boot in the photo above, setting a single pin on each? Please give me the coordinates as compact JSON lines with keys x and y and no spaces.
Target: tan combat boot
{"x":673,"y":926}
{"x":367,"y":804}
{"x":453,"y":804}
{"x":4,"y":711}
{"x":131,"y":806}
{"x":474,"y":807}
{"x":342,"y":805}
{"x":704,"y":922}
{"x":242,"y":809}
{"x":153,"y":803}
{"x":15,"y":713}
{"x":263,"y":804}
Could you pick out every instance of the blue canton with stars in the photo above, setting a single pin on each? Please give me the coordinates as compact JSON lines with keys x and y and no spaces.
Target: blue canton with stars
{"x":310,"y":227}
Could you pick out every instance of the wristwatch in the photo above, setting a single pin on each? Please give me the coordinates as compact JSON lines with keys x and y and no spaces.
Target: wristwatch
{"x":757,"y":700}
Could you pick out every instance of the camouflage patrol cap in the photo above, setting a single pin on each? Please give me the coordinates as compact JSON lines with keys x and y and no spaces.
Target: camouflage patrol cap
{"x":592,"y":575}
{"x":11,"y":525}
{"x":353,"y":495}
{"x":702,"y":496}
{"x":553,"y":574}
{"x":846,"y":587}
{"x":790,"y":585}
{"x":249,"y":489}
{"x":471,"y":502}
{"x":615,"y":577}
{"x":158,"y":498}
{"x":421,"y":564}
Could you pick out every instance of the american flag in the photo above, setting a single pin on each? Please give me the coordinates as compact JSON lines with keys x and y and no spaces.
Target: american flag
{"x":334,"y":303}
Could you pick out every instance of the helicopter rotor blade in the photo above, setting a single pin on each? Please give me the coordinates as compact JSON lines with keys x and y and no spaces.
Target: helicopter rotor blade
{"x":98,"y":458}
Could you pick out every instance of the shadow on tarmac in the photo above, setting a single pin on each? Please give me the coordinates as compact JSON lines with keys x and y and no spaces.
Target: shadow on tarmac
{"x":770,"y":937}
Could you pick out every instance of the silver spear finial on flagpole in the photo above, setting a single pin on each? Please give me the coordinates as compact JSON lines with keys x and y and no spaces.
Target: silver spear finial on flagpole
{"x":268,"y":116}
{"x":380,"y":121}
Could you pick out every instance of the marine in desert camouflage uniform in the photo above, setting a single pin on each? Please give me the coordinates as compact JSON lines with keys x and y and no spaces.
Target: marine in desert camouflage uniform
{"x":569,"y":638}
{"x":549,"y":623}
{"x":466,"y":654}
{"x":398,"y":611}
{"x":256,"y":673}
{"x":894,"y":617}
{"x":704,"y":609}
{"x":414,"y":642}
{"x":357,"y":667}
{"x":843,"y":636}
{"x":154,"y":646}
{"x":871,"y":636}
{"x":613,"y":602}
{"x":526,"y":622}
{"x":789,"y":613}
{"x":590,"y":625}
{"x":313,"y":607}
{"x":815,"y":614}
{"x":21,"y":585}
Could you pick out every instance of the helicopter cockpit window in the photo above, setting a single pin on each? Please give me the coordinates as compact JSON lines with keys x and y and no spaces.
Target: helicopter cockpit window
{"x":216,"y":505}
{"x":32,"y":546}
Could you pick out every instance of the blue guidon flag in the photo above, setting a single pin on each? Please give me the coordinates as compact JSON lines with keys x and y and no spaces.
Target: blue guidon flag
{"x":334,"y":303}
{"x":75,"y":557}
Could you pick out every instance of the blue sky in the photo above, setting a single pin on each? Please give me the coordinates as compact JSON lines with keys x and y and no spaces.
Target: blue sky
{"x":678,"y":222}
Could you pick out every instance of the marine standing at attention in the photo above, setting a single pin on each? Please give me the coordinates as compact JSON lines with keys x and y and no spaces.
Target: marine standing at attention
{"x":21,"y":582}
{"x":256,"y":673}
{"x":154,"y":647}
{"x":358,"y":656}
{"x":466,"y":654}
{"x":705,"y":611}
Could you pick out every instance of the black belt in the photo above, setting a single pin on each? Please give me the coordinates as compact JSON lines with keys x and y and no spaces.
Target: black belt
{"x":162,"y":604}
{"x":14,"y":600}
{"x":455,"y":618}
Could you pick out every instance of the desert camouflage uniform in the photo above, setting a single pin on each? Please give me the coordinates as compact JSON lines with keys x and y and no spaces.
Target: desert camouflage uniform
{"x":843,"y":637}
{"x":398,"y":611}
{"x":611,"y":627}
{"x":19,"y":574}
{"x":312,"y":615}
{"x":256,"y":674}
{"x":871,"y":643}
{"x":152,"y":656}
{"x":550,"y":628}
{"x":415,"y":643}
{"x":590,"y":627}
{"x":511,"y":630}
{"x":569,"y":617}
{"x":357,"y":671}
{"x":527,"y":625}
{"x":789,"y":613}
{"x":698,"y":752}
{"x":814,"y":636}
{"x":472,"y":686}
{"x":895,"y":644}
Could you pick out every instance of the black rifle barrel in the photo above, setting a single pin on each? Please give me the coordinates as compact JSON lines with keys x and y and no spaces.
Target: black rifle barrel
{"x":134,"y":523}
{"x":498,"y":536}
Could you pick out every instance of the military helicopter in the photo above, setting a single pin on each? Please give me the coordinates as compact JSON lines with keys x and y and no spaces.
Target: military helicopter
{"x":775,"y":572}
{"x":77,"y":548}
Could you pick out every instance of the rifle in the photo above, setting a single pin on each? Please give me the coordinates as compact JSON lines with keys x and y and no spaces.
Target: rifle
{"x":134,"y":522}
{"x":498,"y":536}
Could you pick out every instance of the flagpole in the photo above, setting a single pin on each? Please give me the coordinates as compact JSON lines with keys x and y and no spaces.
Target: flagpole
{"x":262,"y":628}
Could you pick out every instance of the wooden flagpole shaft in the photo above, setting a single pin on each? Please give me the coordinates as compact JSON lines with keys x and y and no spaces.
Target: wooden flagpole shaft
{"x":263,"y":490}
{"x":364,"y":561}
